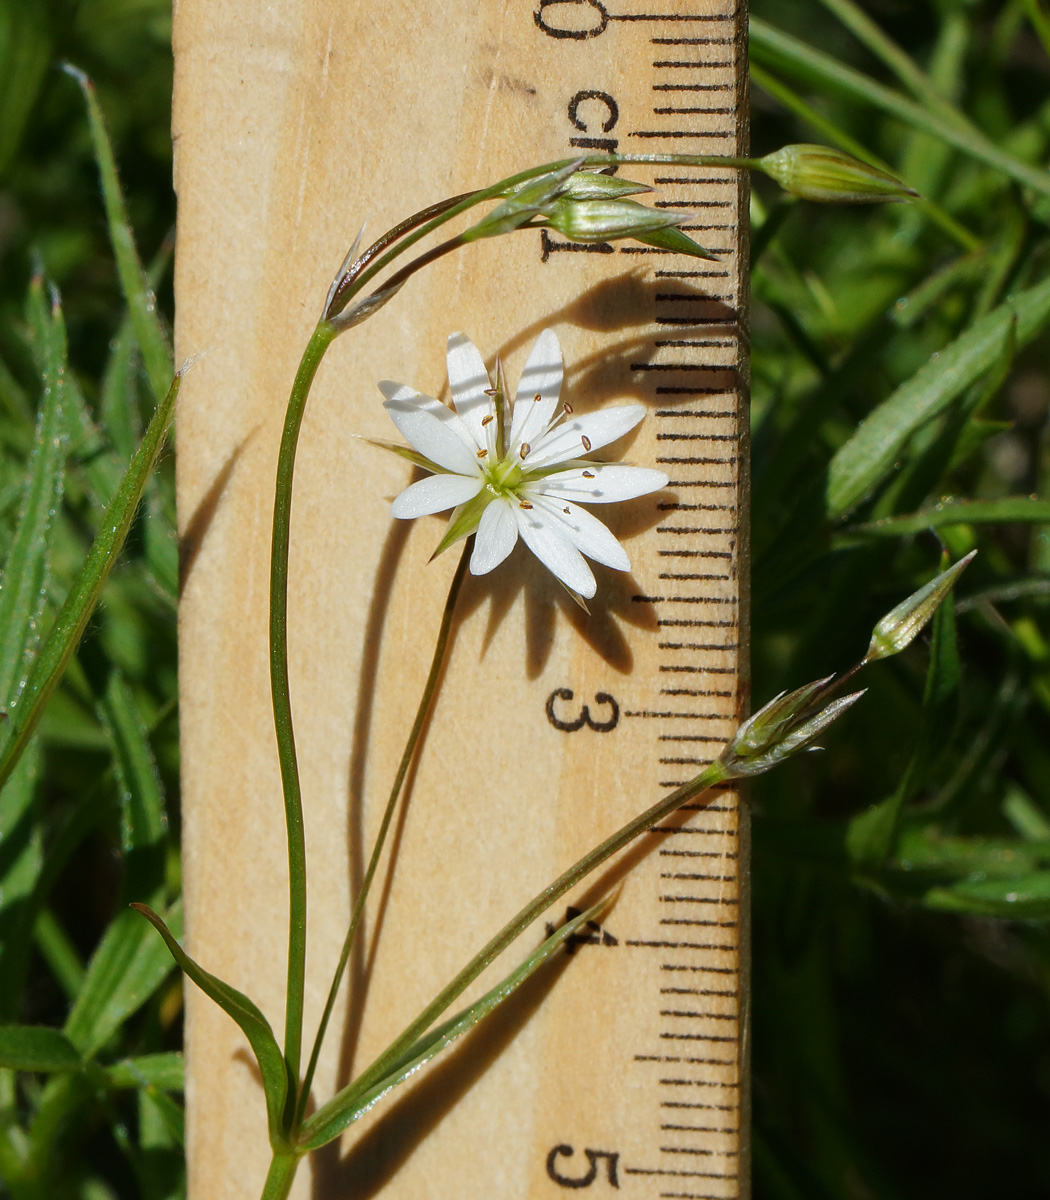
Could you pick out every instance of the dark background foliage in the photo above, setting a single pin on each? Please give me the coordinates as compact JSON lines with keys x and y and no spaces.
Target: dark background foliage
{"x":901,"y":879}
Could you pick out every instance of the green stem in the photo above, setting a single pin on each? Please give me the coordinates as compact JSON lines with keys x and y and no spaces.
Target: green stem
{"x":281,"y":1176}
{"x":712,"y":775}
{"x":282,"y":706}
{"x":343,"y":294}
{"x":429,"y":689}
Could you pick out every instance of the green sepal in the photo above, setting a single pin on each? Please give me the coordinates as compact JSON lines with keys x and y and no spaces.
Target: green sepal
{"x":37,"y":1048}
{"x":464,"y":520}
{"x":675,"y":240}
{"x":249,"y":1019}
{"x":407,"y":452}
{"x":349,"y":1105}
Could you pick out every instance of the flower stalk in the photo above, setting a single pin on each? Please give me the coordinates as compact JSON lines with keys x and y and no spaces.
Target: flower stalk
{"x":565,"y":194}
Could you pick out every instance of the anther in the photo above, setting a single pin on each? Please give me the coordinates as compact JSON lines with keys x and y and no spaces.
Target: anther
{"x":485,"y":420}
{"x":567,"y":510}
{"x":537,"y":397}
{"x":588,"y":474}
{"x":524,"y":504}
{"x":482,"y":453}
{"x":490,"y":391}
{"x":586,"y":442}
{"x":568,"y":409}
{"x":525,"y":448}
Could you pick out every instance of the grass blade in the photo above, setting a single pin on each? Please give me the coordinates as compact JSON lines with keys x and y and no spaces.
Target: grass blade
{"x":37,"y":1048}
{"x":166,"y":1071}
{"x":144,"y":823}
{"x":959,"y":512}
{"x":142,"y":304}
{"x":869,"y":455}
{"x":126,"y":969}
{"x":23,"y":595}
{"x":83,"y":596}
{"x":351,"y":1104}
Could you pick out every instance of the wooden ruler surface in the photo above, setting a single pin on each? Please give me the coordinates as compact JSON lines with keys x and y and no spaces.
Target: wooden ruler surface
{"x":623,"y":1068}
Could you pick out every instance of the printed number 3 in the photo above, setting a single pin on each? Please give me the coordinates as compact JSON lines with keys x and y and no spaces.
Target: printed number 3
{"x":585,"y":717}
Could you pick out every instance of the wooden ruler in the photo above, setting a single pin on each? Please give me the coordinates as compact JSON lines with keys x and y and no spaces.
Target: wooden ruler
{"x":624,"y":1068}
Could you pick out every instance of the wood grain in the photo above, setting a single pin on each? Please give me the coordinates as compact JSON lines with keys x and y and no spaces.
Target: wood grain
{"x":294,"y":122}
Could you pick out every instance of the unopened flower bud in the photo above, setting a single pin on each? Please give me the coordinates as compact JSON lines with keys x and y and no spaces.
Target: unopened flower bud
{"x":901,"y":625}
{"x":785,"y":726}
{"x":602,"y":220}
{"x":524,"y":201}
{"x":822,"y":173}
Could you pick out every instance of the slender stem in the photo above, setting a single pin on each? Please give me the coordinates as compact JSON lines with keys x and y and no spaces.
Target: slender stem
{"x":472,"y":199}
{"x":425,"y":701}
{"x":712,"y":775}
{"x":282,"y":705}
{"x":280,"y":1177}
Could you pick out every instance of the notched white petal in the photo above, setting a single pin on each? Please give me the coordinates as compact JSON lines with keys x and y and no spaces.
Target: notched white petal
{"x":600,"y":483}
{"x":538,"y":390}
{"x":585,"y":433}
{"x":469,"y":382}
{"x":435,"y":494}
{"x":554,"y":550}
{"x":589,"y":535}
{"x":435,"y":437}
{"x":406,"y":397}
{"x":496,"y":537}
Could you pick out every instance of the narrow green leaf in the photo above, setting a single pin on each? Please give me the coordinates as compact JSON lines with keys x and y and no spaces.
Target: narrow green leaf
{"x":959,"y":512}
{"x":118,"y":401}
{"x":351,"y":1103}
{"x":869,"y":455}
{"x":83,"y":596}
{"x":1023,"y":899}
{"x":164,"y":1071}
{"x":711,"y":775}
{"x":22,"y":864}
{"x":57,"y":950}
{"x":142,"y":304}
{"x":249,"y":1019}
{"x":771,"y":47}
{"x":1025,"y":815}
{"x":37,"y":1048}
{"x":23,"y":593}
{"x":128,"y":966}
{"x":25,"y":51}
{"x":143,"y":819}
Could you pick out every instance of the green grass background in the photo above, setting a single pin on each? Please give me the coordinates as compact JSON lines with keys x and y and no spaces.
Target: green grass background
{"x":901,"y":877}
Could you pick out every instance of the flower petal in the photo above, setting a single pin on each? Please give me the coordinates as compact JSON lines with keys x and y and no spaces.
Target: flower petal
{"x":600,"y":483}
{"x":469,"y":381}
{"x":408,"y":396}
{"x":538,"y":391}
{"x":496,"y":536}
{"x":584,"y":531}
{"x":434,"y":494}
{"x":588,"y":432}
{"x":434,"y":437}
{"x":542,"y":536}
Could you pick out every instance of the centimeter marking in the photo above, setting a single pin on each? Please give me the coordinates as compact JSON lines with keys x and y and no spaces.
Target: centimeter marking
{"x":694,"y":1057}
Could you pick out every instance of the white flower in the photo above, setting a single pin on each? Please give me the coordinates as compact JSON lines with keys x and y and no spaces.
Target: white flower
{"x":509,"y":469}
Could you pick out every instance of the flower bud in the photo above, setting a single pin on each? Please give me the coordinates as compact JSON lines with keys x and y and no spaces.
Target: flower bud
{"x":601,"y":220}
{"x":901,"y":625}
{"x":585,"y":185}
{"x":523,"y":202}
{"x":822,"y":173}
{"x":785,"y":726}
